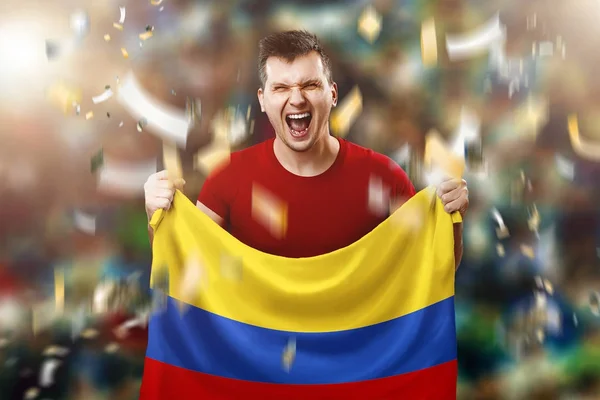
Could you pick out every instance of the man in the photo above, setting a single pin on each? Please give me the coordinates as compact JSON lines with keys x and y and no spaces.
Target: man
{"x":305,"y":192}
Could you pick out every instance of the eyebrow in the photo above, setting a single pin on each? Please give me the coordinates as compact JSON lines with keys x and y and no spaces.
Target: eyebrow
{"x":305,"y":83}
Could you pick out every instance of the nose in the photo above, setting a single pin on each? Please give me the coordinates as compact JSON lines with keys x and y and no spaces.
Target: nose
{"x":297,"y":97}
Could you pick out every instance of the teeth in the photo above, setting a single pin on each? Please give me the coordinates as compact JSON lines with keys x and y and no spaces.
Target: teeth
{"x":299,"y":116}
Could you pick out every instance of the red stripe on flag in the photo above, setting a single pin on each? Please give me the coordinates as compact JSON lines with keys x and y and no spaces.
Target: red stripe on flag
{"x":165,"y":382}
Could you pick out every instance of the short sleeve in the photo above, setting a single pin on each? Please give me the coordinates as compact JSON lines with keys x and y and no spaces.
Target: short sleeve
{"x":216,"y":192}
{"x":402,"y":188}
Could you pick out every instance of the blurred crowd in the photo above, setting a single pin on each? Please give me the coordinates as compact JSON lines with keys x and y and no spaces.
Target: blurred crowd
{"x":510,"y":83}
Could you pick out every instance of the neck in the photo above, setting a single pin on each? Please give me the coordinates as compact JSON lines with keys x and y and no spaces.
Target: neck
{"x":308,"y":163}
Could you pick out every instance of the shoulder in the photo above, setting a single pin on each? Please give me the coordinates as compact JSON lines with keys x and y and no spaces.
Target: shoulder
{"x":240,"y":161}
{"x":375,"y":162}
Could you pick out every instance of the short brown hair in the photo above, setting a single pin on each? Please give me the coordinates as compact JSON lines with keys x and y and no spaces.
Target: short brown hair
{"x":289,"y":45}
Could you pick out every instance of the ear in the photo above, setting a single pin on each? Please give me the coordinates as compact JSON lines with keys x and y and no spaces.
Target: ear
{"x":261,"y":99}
{"x":334,"y":94}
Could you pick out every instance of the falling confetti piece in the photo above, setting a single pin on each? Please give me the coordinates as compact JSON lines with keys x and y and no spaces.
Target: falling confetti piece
{"x":85,"y":222}
{"x":31,"y":393}
{"x":97,"y":161}
{"x":168,"y":123}
{"x":107,"y":94}
{"x":47,"y":372}
{"x":231,"y":267}
{"x":192,"y":278}
{"x":124,"y":178}
{"x":64,"y":96}
{"x":141,"y":124}
{"x":564,"y":167}
{"x":269,"y":211}
{"x":540,"y":336}
{"x":149,"y":28}
{"x":379,"y":196}
{"x":534,"y":219}
{"x":172,"y":162}
{"x":584,"y":149}
{"x":121,"y":124}
{"x":501,"y":230}
{"x":111,"y":348}
{"x":156,"y":2}
{"x":118,"y":26}
{"x":369,"y":24}
{"x":79,"y":22}
{"x":463,"y":46}
{"x":55,"y":351}
{"x":107,"y":37}
{"x":145,"y":35}
{"x":548,"y":287}
{"x":89,"y":333}
{"x":123,"y":12}
{"x":348,"y":111}
{"x":441,"y":157}
{"x":429,"y":43}
{"x":528,"y":251}
{"x":594,"y":302}
{"x":124,"y":52}
{"x":173,"y":92}
{"x":500,"y":250}
{"x":59,"y":289}
{"x":289,"y":355}
{"x":89,"y":115}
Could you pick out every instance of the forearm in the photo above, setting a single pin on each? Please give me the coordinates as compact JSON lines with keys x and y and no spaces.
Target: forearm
{"x":458,"y":244}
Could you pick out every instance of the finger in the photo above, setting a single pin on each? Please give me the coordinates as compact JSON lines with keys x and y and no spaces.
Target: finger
{"x":162,"y":175}
{"x":164,"y":184}
{"x":164,"y":194}
{"x":455,"y":205}
{"x":454,"y":195}
{"x":179,"y":183}
{"x":448,"y":186}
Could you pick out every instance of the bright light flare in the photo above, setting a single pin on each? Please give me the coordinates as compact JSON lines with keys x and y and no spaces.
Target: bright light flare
{"x":22,"y":51}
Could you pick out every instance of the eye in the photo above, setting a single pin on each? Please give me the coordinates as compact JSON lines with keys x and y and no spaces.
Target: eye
{"x":311,"y":86}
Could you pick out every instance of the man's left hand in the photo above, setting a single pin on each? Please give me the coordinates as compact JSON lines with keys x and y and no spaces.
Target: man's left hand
{"x":454,"y":195}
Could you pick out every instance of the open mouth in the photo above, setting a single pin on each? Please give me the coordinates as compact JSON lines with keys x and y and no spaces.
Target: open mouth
{"x":298,"y":123}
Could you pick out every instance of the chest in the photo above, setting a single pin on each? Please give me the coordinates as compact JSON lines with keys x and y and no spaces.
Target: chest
{"x":306,"y":219}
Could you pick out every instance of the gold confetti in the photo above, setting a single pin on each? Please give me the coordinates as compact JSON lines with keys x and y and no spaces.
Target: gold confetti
{"x":534,"y":220}
{"x":500,"y":250}
{"x":146,"y":35}
{"x":172,"y":161}
{"x":59,"y":289}
{"x":64,"y":96}
{"x":584,"y":149}
{"x":31,"y":393}
{"x":219,"y":151}
{"x":118,"y":26}
{"x":502,"y":232}
{"x":111,"y":348}
{"x":124,"y":52}
{"x":289,"y":354}
{"x":548,"y":286}
{"x":231,"y":267}
{"x":348,"y":111}
{"x":89,"y":333}
{"x":540,"y":335}
{"x":438,"y":153}
{"x":89,"y":115}
{"x":155,"y":2}
{"x":269,"y":211}
{"x":429,"y":43}
{"x":369,"y":24}
{"x":193,"y":278}
{"x":107,"y":37}
{"x":528,"y":251}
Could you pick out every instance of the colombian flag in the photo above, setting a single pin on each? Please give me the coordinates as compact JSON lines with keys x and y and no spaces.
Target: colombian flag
{"x":374,"y":320}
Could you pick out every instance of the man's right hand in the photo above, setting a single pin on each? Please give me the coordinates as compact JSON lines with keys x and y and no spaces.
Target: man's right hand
{"x":159,"y":192}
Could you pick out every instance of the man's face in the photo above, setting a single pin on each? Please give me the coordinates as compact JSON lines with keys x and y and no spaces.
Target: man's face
{"x":297,"y":99}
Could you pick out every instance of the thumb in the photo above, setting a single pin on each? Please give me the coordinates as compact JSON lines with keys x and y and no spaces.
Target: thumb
{"x":179,"y":183}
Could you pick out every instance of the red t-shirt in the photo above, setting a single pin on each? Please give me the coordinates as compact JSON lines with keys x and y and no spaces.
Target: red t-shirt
{"x":272,"y":210}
